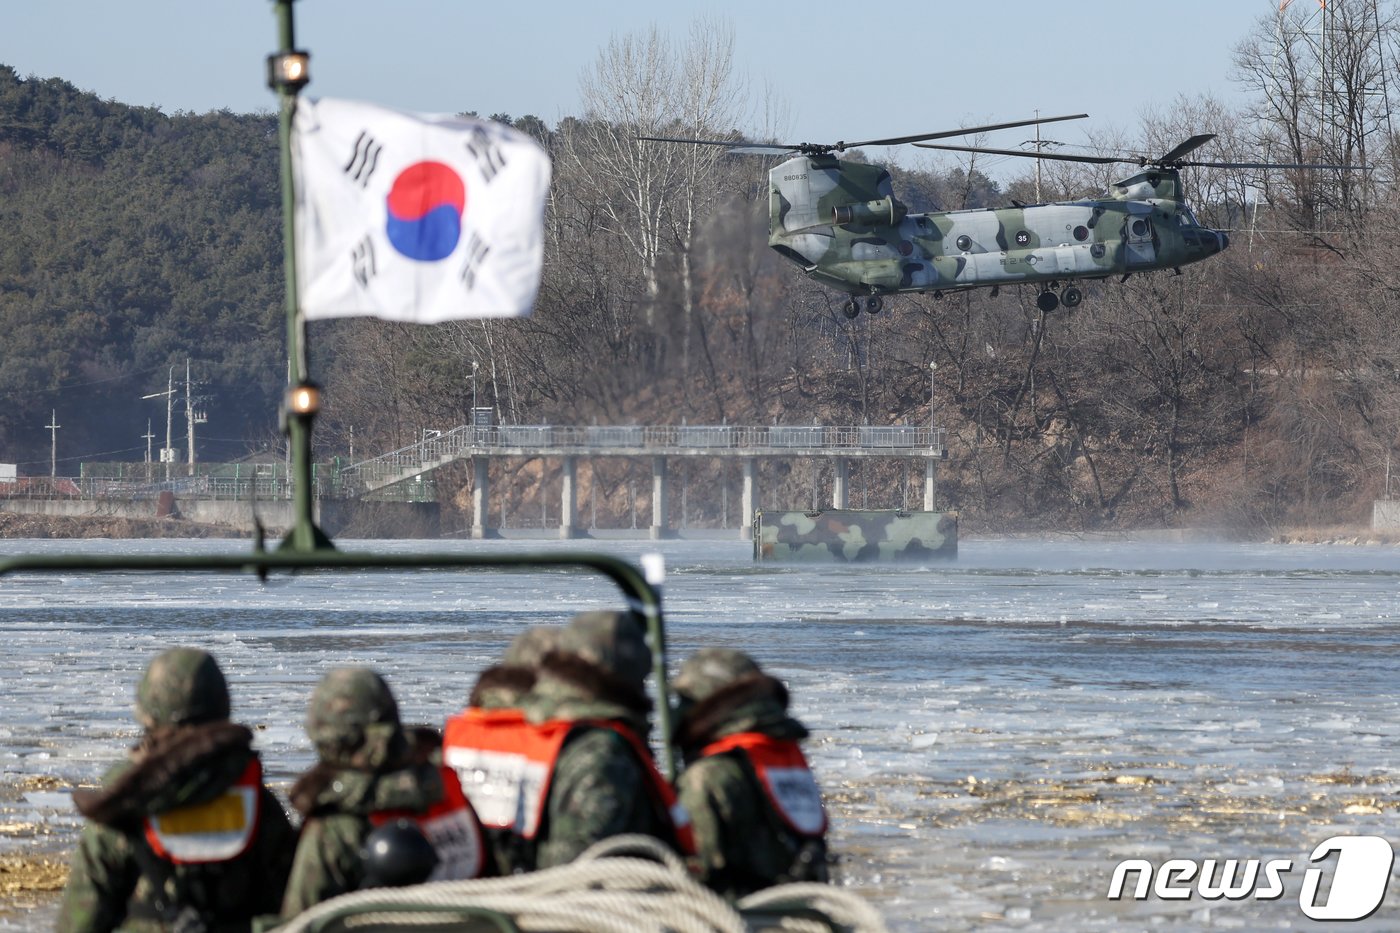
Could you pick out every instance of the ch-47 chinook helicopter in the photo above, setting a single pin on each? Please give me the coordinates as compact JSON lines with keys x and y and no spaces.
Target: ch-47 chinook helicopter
{"x":841,"y":222}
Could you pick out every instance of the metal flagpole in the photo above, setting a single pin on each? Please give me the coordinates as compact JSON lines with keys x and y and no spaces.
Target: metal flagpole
{"x":287,"y":74}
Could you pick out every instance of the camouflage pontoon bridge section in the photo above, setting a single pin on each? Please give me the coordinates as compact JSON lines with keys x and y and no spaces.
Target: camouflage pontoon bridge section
{"x":853,"y":535}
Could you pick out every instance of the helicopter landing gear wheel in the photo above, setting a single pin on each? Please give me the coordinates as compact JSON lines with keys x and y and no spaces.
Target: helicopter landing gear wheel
{"x":874,"y":304}
{"x":851,"y":308}
{"x":1047,"y":301}
{"x":1071,"y":297}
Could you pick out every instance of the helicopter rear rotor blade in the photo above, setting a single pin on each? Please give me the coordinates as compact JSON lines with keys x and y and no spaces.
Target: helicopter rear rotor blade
{"x":1182,"y":148}
{"x":742,"y":148}
{"x":965,"y":131}
{"x":1056,"y":156}
{"x":1283,"y":165}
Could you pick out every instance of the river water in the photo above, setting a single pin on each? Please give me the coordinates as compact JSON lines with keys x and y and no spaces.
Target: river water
{"x":994,"y":735}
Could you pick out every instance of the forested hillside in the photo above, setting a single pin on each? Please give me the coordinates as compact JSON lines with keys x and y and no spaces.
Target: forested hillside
{"x":1257,"y":389}
{"x":132,"y":241}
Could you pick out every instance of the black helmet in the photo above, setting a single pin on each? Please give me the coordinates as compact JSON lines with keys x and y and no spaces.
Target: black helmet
{"x":397,"y":854}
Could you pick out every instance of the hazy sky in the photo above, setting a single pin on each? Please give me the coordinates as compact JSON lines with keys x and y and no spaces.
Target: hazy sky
{"x":846,"y":70}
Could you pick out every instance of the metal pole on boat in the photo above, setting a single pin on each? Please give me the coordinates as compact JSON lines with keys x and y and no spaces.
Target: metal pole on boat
{"x":287,"y":73}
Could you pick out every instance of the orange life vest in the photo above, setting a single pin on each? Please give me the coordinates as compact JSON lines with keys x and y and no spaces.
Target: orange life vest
{"x":217,"y":830}
{"x":483,"y":746}
{"x":451,"y":826}
{"x":783,"y":773}
{"x":509,"y":762}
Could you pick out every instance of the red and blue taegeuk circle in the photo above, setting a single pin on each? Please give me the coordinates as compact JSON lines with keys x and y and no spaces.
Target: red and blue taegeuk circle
{"x":425,"y":211}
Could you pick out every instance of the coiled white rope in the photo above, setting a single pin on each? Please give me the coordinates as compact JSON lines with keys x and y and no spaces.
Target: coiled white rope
{"x":628,"y":884}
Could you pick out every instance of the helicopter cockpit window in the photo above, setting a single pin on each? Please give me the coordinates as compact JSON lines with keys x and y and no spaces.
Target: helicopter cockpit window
{"x":1186,"y":219}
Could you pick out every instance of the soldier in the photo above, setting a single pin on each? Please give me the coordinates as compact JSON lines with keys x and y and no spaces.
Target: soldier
{"x":589,"y":774}
{"x":506,"y":684}
{"x":480,"y":743}
{"x":183,"y":834}
{"x":370,"y":772}
{"x":757,"y":811}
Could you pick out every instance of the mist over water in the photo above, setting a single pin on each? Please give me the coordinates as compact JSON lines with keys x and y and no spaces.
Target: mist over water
{"x":993,"y":735}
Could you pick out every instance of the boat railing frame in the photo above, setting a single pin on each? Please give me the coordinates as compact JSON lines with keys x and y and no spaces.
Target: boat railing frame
{"x":640,"y":585}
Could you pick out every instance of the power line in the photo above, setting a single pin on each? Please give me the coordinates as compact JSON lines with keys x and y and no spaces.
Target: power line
{"x":80,"y":385}
{"x":100,"y":453}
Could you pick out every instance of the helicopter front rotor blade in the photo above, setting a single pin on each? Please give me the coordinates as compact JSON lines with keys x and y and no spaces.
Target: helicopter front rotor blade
{"x":718,"y":142}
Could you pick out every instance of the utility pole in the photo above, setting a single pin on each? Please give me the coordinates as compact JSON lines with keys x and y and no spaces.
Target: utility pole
{"x":149,"y":437}
{"x":167,"y":455}
{"x":189,"y":414}
{"x":53,"y":427}
{"x":1037,"y":167}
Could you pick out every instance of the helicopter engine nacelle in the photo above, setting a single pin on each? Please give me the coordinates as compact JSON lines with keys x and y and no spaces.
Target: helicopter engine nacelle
{"x":885,"y":212}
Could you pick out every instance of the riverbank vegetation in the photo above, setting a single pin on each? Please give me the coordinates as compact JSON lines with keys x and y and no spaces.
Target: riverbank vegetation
{"x":1257,"y":390}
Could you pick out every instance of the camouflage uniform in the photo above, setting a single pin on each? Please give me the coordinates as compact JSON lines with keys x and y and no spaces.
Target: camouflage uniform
{"x":368,"y":763}
{"x":742,"y":840}
{"x":506,"y":684}
{"x":599,"y":787}
{"x":190,"y":755}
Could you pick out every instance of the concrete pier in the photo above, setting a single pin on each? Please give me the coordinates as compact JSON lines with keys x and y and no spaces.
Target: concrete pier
{"x":481,"y":499}
{"x":568,"y":499}
{"x":658,"y":498}
{"x":746,"y":502}
{"x":841,"y":484}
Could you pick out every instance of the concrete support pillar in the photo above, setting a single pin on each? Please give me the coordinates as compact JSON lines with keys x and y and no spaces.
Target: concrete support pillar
{"x":568,"y":499}
{"x":930,"y":483}
{"x":746,"y":500}
{"x":840,"y":484}
{"x":658,"y":498}
{"x":481,"y":501}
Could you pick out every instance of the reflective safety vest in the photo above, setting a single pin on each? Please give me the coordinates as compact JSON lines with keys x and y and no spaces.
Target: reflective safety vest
{"x":508,"y":763}
{"x":451,"y":826}
{"x":217,"y":830}
{"x":786,"y":779}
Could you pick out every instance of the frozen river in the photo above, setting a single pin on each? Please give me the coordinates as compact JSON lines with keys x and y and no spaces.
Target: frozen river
{"x":994,"y":735}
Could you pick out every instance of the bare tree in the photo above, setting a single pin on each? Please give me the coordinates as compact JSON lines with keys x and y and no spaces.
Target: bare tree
{"x":653,"y":195}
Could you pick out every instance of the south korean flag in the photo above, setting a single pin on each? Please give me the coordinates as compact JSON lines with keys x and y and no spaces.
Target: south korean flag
{"x":415,"y":217}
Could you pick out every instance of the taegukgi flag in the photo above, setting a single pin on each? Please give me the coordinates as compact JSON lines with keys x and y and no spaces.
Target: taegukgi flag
{"x":415,"y":217}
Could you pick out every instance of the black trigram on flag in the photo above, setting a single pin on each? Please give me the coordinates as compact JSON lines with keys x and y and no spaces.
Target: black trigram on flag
{"x":488,"y":155}
{"x":476,"y":251}
{"x":363,"y":159}
{"x":362,"y":261}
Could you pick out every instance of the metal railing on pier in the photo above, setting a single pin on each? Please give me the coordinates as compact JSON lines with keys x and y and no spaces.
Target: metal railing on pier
{"x":548,"y":440}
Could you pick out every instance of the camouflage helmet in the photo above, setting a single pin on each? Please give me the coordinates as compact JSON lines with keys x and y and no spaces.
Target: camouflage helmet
{"x":352,"y":718}
{"x":612,"y":640}
{"x":710,"y":670}
{"x":531,"y":645}
{"x":182,"y":686}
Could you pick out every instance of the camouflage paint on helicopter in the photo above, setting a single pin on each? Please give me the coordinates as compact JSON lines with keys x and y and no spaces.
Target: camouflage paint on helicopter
{"x":841,"y":221}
